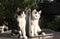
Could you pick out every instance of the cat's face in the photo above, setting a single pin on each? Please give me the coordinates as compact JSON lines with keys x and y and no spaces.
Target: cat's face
{"x":22,"y":14}
{"x":36,"y":14}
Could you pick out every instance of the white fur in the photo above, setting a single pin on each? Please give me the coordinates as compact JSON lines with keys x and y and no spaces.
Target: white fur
{"x":22,"y":24}
{"x":34,"y":27}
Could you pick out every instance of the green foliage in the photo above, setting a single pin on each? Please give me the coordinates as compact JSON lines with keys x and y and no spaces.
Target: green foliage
{"x":30,"y":3}
{"x":55,"y":25}
{"x":8,"y":8}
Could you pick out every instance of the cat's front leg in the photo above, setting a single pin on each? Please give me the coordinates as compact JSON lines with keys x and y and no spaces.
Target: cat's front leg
{"x":24,"y":32}
{"x":35,"y":31}
{"x":31,"y":31}
{"x":38,"y":29}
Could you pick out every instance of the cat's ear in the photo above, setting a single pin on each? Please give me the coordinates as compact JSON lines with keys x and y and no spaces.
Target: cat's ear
{"x":40,"y":12}
{"x":34,"y":11}
{"x":18,"y":9}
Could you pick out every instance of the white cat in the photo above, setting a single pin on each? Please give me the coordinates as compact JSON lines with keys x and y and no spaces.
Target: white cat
{"x":34,"y":27}
{"x":22,"y":23}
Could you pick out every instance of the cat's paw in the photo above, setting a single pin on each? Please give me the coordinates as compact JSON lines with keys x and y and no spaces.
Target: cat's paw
{"x":43,"y":33}
{"x":25,"y":37}
{"x":36,"y":34}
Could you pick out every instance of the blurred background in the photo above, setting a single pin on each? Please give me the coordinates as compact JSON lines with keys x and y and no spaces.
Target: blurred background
{"x":50,"y":17}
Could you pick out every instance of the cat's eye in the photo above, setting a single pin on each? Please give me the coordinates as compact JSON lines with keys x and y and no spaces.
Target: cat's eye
{"x":35,"y":12}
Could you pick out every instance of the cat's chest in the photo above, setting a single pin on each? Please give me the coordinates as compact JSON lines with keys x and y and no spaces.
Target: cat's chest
{"x":34,"y":22}
{"x":21,"y":20}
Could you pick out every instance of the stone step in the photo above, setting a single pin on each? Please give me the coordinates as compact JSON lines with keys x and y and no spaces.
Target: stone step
{"x":8,"y":36}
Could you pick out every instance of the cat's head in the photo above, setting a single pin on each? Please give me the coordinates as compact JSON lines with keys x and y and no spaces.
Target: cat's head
{"x":21,"y":13}
{"x":36,"y":14}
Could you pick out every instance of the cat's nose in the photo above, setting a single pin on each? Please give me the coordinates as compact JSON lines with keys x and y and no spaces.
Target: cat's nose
{"x":36,"y":15}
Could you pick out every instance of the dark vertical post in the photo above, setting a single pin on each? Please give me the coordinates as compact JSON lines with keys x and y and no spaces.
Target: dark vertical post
{"x":29,"y":17}
{"x":28,"y":12}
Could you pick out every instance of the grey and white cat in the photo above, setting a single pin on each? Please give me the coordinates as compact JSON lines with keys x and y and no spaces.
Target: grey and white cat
{"x":22,"y":23}
{"x":34,"y":26}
